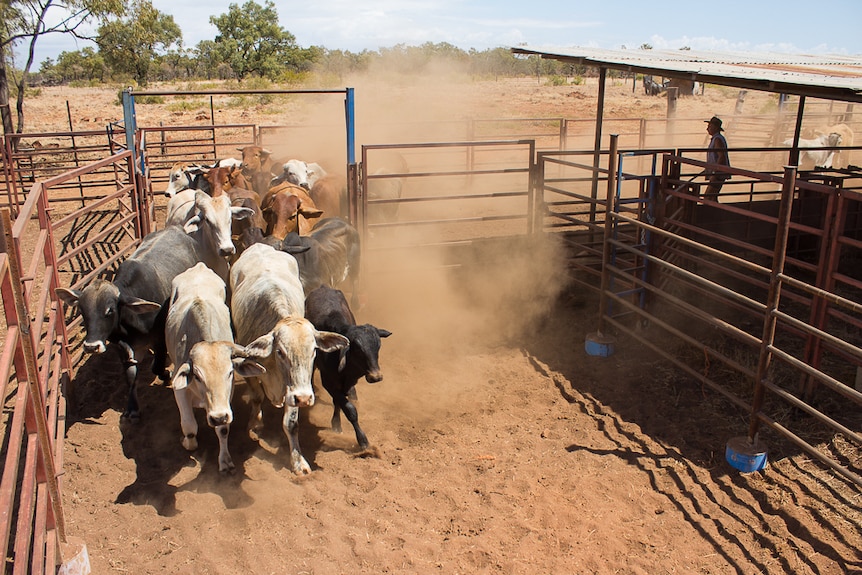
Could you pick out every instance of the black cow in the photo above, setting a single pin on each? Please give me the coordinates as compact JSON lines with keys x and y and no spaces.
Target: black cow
{"x":332,"y":258}
{"x":125,"y":312}
{"x":326,"y":308}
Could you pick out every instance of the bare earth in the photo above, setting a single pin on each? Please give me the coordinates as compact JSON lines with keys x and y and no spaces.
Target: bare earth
{"x":499,"y":445}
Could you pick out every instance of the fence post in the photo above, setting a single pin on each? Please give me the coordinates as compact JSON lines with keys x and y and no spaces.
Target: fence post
{"x":606,"y":245}
{"x":779,"y":255}
{"x":536,"y":194}
{"x":642,"y":134}
{"x":598,"y":343}
{"x":564,"y":128}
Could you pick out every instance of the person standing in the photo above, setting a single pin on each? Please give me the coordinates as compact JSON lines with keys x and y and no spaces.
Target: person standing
{"x":715,"y":154}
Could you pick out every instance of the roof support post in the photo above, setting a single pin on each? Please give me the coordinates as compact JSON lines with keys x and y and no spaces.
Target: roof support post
{"x":794,"y":153}
{"x":597,"y":144}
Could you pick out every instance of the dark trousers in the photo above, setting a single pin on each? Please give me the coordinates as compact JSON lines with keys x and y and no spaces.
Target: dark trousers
{"x":713,"y":188}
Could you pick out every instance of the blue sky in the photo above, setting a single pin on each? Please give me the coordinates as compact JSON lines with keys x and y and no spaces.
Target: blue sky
{"x":790,"y":26}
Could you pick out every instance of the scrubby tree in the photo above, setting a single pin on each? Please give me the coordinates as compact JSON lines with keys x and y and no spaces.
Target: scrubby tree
{"x":250,"y":40}
{"x":84,"y":64}
{"x":129,"y":45}
{"x":24,"y":22}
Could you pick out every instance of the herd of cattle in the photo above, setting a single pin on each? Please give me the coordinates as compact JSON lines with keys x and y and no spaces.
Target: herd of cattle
{"x":241,"y":282}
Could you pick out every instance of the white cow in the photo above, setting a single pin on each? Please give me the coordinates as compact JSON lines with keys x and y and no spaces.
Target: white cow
{"x":227,"y":163}
{"x":200,"y":343}
{"x":821,"y":158}
{"x":209,"y":222}
{"x":268,"y":309}
{"x":184,"y":176}
{"x":300,"y":173}
{"x":180,"y":206}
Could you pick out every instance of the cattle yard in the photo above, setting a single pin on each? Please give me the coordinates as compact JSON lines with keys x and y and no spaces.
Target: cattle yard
{"x":751,"y":303}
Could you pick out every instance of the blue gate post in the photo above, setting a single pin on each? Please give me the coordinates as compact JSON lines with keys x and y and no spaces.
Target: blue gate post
{"x":351,"y":127}
{"x":352,"y":171}
{"x":130,"y":124}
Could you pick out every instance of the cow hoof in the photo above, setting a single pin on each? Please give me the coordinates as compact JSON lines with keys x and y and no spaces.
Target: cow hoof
{"x":190,"y":443}
{"x":229,"y":469}
{"x":302,"y":467}
{"x":369,"y":452}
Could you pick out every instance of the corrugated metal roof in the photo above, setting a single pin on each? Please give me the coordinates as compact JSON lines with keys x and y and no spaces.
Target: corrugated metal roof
{"x":831,"y":77}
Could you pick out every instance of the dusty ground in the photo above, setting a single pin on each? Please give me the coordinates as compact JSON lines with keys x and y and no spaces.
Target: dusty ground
{"x":500,"y":446}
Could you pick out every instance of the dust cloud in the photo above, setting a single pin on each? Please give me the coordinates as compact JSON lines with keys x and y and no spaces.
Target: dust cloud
{"x":448,"y":280}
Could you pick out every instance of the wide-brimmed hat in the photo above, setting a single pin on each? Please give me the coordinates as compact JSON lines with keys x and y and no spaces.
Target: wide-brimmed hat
{"x":717,"y":121}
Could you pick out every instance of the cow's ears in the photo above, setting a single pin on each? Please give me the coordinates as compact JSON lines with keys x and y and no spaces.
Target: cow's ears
{"x":191,"y":226}
{"x":239,"y":213}
{"x":138,"y":306}
{"x":310,"y":213}
{"x":330,"y":341}
{"x":69,"y":296}
{"x":383,"y":332}
{"x":261,"y":347}
{"x":247,"y":367}
{"x":294,"y":249}
{"x":181,"y":377}
{"x":342,"y":358}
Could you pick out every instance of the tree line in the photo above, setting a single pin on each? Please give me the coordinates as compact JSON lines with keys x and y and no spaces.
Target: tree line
{"x":137,"y":44}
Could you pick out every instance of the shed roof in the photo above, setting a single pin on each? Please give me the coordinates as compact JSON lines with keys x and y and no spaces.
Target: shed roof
{"x":830,"y":77}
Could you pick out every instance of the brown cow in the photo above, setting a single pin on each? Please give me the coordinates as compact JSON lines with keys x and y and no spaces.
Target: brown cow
{"x":256,"y":167}
{"x":329,"y":193}
{"x":219,"y":180}
{"x":288,"y":208}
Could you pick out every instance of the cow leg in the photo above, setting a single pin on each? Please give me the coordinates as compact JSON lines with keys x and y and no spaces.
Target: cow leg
{"x":127,"y":356}
{"x":353,"y":417}
{"x":160,"y":357}
{"x":188,"y":423}
{"x":225,"y":462}
{"x":160,"y":348}
{"x":335,"y":422}
{"x":255,"y":419}
{"x":338,"y":399}
{"x":290,"y":424}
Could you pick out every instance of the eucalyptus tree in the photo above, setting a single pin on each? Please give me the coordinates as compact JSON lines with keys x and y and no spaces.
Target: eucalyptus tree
{"x":252,"y":42}
{"x":131,"y":43}
{"x":23,"y":23}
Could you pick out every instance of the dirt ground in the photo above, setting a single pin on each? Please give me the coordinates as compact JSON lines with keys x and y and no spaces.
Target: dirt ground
{"x":499,"y":445}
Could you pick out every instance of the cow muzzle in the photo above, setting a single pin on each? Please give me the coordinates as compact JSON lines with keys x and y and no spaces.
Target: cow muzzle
{"x":94,"y":346}
{"x":216,"y":419}
{"x":300,"y":399}
{"x":374,"y":377}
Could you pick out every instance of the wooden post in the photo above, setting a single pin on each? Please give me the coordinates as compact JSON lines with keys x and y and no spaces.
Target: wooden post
{"x":672,"y":98}
{"x":740,"y":101}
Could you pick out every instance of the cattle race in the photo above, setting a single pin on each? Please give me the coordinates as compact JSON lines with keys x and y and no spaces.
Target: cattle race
{"x":439,"y":299}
